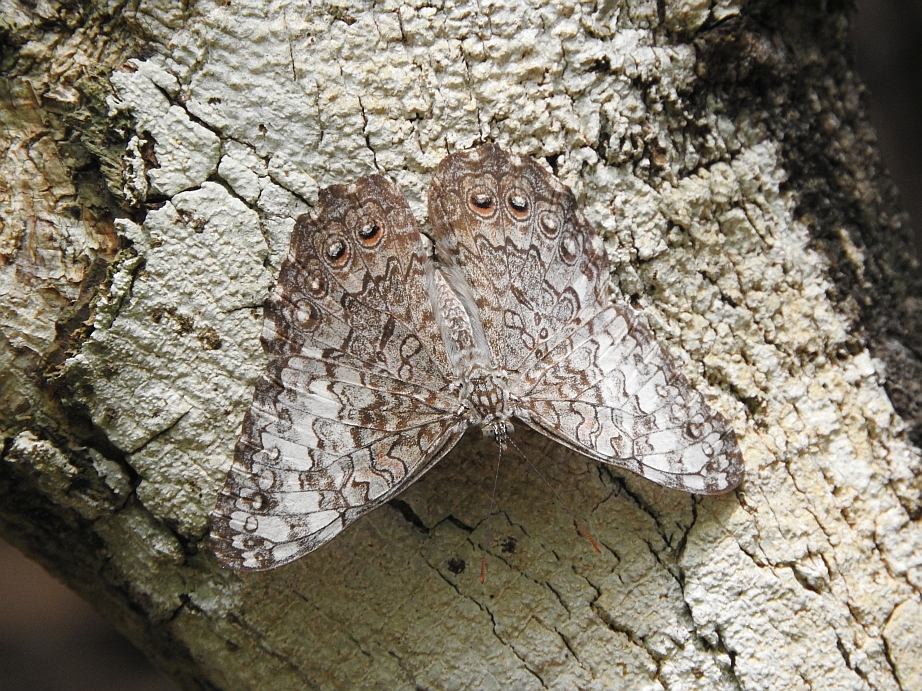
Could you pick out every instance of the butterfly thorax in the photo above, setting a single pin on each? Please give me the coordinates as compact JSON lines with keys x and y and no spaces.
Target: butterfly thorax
{"x":485,"y":396}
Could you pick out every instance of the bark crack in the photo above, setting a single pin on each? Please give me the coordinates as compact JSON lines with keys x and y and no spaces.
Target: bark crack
{"x":365,"y":133}
{"x":470,"y":90}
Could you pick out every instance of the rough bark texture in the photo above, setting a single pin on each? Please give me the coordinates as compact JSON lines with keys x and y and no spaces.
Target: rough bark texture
{"x":155,"y":156}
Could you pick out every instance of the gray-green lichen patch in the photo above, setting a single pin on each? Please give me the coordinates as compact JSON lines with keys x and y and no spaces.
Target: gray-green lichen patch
{"x":144,"y":560}
{"x":187,"y":152}
{"x":168,"y":376}
{"x":94,"y":490}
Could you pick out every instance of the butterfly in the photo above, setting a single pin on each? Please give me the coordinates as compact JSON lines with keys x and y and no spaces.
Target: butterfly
{"x":382,"y":355}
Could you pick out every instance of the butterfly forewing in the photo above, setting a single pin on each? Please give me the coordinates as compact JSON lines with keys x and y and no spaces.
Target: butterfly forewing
{"x":613,"y":394}
{"x":545,"y":268}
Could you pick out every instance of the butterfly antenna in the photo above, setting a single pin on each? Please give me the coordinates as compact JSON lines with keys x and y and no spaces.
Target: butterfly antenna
{"x":579,"y":525}
{"x":488,"y":536}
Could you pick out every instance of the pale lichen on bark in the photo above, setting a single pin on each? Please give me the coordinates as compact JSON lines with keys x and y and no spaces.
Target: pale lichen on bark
{"x":807,"y":577}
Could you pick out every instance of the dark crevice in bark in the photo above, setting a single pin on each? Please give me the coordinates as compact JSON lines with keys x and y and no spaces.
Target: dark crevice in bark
{"x":409,"y":515}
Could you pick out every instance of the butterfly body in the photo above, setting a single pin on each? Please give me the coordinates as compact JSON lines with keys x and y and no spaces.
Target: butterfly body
{"x":382,"y":356}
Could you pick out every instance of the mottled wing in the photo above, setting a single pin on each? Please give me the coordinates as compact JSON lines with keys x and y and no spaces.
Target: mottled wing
{"x":611,"y":392}
{"x":509,"y":234}
{"x":581,"y":370}
{"x":354,"y":403}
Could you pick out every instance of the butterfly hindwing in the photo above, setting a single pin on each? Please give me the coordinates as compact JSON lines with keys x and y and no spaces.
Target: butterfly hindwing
{"x":612,"y":393}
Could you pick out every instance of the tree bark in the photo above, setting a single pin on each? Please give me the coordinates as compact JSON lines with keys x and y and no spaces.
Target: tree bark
{"x":155,"y":158}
